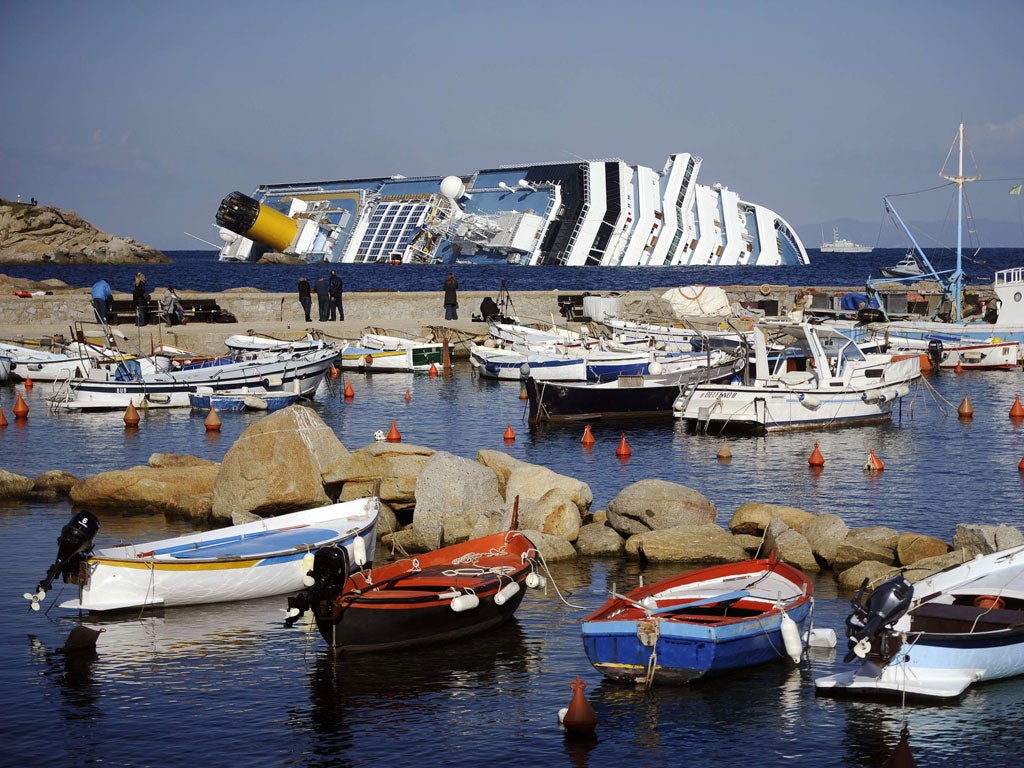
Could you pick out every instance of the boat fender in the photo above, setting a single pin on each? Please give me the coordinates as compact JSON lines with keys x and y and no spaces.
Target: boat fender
{"x":871,"y":397}
{"x":987,"y":602}
{"x":536,"y":581}
{"x":359,"y":551}
{"x":307,"y":569}
{"x":506,"y":593}
{"x":791,"y":638}
{"x":810,"y":401}
{"x":465,"y":602}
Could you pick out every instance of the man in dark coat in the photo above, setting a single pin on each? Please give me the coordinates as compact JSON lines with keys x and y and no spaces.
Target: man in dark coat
{"x":451,"y":298}
{"x":334,"y":287}
{"x":323,"y":298}
{"x":305,"y":297}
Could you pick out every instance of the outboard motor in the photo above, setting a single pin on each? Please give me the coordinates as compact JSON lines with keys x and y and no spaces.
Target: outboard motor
{"x":330,"y":571}
{"x":935,"y":353}
{"x":883,"y":609}
{"x":73,"y":545}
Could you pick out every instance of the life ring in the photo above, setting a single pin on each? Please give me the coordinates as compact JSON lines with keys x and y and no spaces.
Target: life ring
{"x":989,"y":602}
{"x":368,"y":359}
{"x":765,"y":289}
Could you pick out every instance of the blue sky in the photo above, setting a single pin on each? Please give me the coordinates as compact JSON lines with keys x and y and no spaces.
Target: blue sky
{"x":141,"y":116}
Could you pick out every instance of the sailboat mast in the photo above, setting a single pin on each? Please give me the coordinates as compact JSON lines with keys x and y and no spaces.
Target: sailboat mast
{"x":957,"y":280}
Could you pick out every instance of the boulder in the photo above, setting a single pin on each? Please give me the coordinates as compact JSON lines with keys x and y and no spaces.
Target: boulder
{"x":706,"y":544}
{"x":789,"y":546}
{"x":652,"y":504}
{"x":182,"y":491}
{"x":277,"y":466}
{"x":554,"y":513}
{"x":925,"y":567}
{"x":853,"y":551}
{"x":552,"y":548}
{"x":875,"y":572}
{"x":451,"y":494}
{"x":14,"y":486}
{"x":178,"y":460}
{"x":396,"y":465}
{"x":501,"y":464}
{"x":825,"y":533}
{"x":753,"y":517}
{"x":53,"y":485}
{"x":911,"y":547}
{"x":599,"y":540}
{"x":986,"y":539}
{"x":530,"y":482}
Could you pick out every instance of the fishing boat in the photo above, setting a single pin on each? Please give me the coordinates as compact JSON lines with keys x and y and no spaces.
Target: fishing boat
{"x":821,"y":379}
{"x":950,"y":352}
{"x":258,"y":559}
{"x":300,"y":372}
{"x":256,"y":343}
{"x":648,"y":396}
{"x":701,"y":624}
{"x":435,"y":597}
{"x":246,"y":399}
{"x":43,"y":364}
{"x":908,"y":266}
{"x":842,"y":245}
{"x":550,"y":363}
{"x":935,"y":638}
{"x":387,"y":353}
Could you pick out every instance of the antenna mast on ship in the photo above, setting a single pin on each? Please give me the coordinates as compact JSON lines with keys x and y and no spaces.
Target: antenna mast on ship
{"x":957,"y":279}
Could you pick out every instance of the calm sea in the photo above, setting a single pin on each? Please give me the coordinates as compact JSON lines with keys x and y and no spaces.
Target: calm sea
{"x":228,"y":685}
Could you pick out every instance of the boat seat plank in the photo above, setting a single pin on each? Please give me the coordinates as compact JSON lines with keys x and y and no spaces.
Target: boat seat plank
{"x":725,"y":597}
{"x":254,"y":544}
{"x":947,"y":617}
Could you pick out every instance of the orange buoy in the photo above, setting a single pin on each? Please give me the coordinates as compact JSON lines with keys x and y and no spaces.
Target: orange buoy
{"x":408,"y":396}
{"x":523,"y":394}
{"x":335,"y":373}
{"x":393,"y":435}
{"x":902,"y":757}
{"x":873,"y":464}
{"x":212,"y":420}
{"x":588,"y":436}
{"x":433,"y":369}
{"x":987,"y":602}
{"x":724,"y":454}
{"x":510,"y":435}
{"x":20,"y":408}
{"x":966,"y":410}
{"x":623,"y":449}
{"x":1017,"y":410}
{"x":131,"y":415}
{"x":3,"y":423}
{"x":816,"y":459}
{"x":349,"y":392}
{"x":28,"y":384}
{"x":959,"y":367}
{"x":580,"y":717}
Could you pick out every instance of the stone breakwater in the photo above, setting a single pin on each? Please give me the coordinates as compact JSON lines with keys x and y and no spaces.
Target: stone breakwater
{"x":433,"y":498}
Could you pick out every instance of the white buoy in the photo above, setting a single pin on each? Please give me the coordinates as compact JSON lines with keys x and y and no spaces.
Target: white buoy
{"x":535,"y":581}
{"x":359,"y":551}
{"x":465,"y":602}
{"x":307,"y":566}
{"x":791,"y":638}
{"x":506,"y":593}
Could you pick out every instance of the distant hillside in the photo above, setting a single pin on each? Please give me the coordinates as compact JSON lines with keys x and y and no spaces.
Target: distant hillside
{"x":991,"y":233}
{"x":33,"y":234}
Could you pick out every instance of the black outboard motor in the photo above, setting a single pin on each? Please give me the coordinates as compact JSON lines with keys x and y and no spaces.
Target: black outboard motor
{"x":73,"y":546}
{"x":935,"y":353}
{"x":883,"y":609}
{"x":330,"y":570}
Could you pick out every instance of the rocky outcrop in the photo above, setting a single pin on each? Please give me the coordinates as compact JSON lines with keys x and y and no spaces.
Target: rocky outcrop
{"x":180,"y":491}
{"x":32,"y":234}
{"x":658,"y":504}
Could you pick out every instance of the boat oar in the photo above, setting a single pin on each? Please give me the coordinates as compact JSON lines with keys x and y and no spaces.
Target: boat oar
{"x":727,"y":597}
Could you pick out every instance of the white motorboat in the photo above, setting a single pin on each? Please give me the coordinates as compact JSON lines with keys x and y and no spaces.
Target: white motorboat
{"x":552,"y":363}
{"x":821,"y":379}
{"x":300,"y":372}
{"x":43,"y":364}
{"x":935,"y":638}
{"x":256,"y":343}
{"x":842,"y":245}
{"x":385,"y":353}
{"x":259,"y":559}
{"x":946,"y":351}
{"x":908,"y":266}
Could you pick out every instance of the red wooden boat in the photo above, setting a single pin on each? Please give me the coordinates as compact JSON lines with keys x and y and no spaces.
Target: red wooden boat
{"x":431,"y":598}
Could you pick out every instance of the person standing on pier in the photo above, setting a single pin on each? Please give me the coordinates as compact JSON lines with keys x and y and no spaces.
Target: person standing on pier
{"x":140,"y":298}
{"x":102,"y":297}
{"x":451,"y":298}
{"x":334,"y":288}
{"x":323,"y":298}
{"x":305,"y":297}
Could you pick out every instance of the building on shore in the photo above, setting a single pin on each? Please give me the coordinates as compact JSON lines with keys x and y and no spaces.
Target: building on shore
{"x":583,"y":213}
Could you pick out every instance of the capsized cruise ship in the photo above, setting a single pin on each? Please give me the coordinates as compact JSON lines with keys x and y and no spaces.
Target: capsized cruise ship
{"x":581,"y":213}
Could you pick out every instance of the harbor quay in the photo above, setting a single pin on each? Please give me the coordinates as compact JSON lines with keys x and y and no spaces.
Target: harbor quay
{"x":43,"y":316}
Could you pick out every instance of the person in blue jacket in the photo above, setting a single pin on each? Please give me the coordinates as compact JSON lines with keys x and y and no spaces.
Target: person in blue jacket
{"x":102,"y":299}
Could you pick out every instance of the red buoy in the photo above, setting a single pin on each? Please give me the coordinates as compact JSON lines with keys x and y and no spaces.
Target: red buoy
{"x":335,"y":373}
{"x":408,"y":396}
{"x":1017,"y":410}
{"x":3,"y":423}
{"x":902,"y":757}
{"x":349,"y":392}
{"x":816,"y":459}
{"x":510,"y":435}
{"x":20,"y":408}
{"x":433,"y":370}
{"x":724,"y":454}
{"x":873,"y":464}
{"x":588,"y":436}
{"x":212,"y":420}
{"x":393,"y":434}
{"x":131,"y":415}
{"x":28,"y":384}
{"x":580,"y":717}
{"x":623,"y":449}
{"x":966,"y":410}
{"x":523,"y":394}
{"x":959,"y":367}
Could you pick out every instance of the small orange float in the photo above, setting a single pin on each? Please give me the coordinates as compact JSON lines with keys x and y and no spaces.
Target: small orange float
{"x":394,"y":436}
{"x":623,"y":449}
{"x":20,"y":408}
